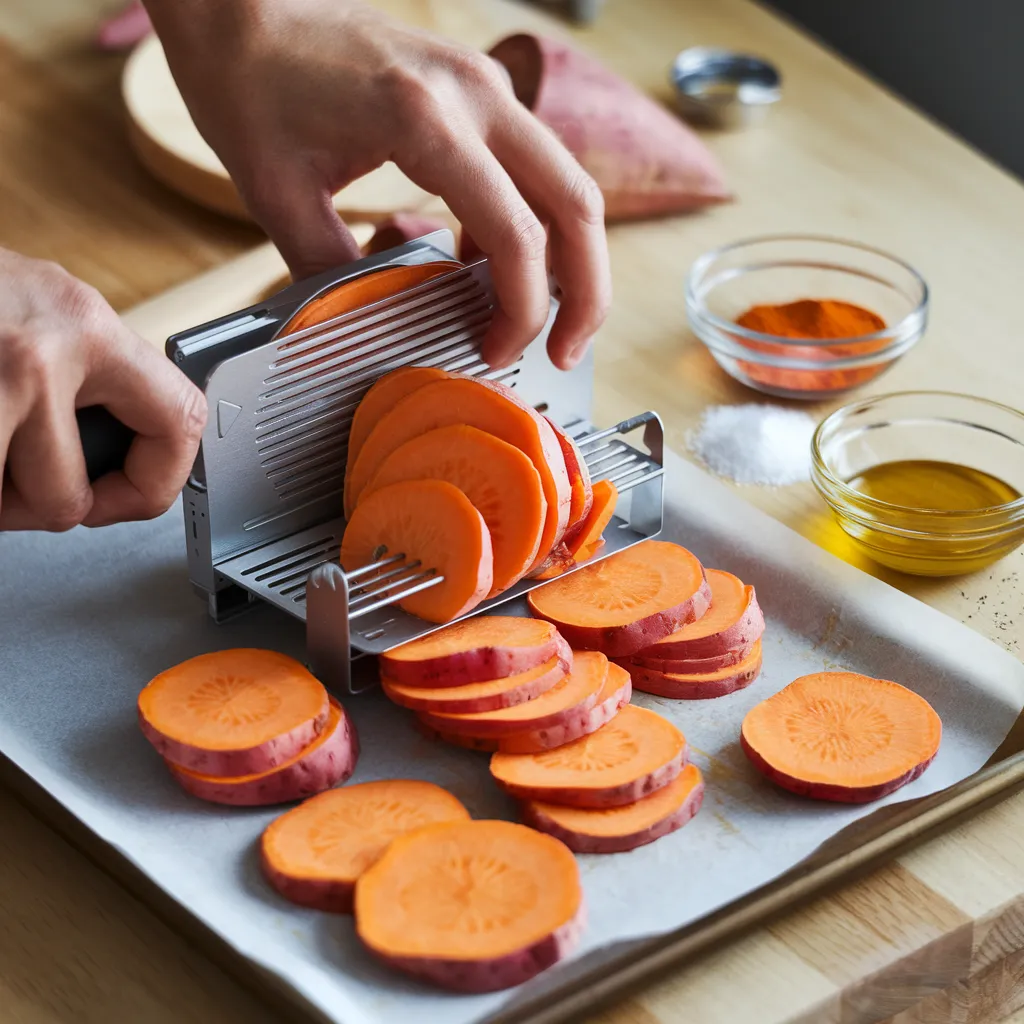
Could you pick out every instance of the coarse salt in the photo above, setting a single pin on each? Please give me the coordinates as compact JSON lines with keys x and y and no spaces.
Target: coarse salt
{"x":755,"y":444}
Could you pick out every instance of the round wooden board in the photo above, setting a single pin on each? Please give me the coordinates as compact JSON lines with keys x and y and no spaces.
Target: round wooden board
{"x":171,"y":148}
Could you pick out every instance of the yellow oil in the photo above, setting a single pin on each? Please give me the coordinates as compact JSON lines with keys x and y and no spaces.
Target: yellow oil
{"x":930,"y":544}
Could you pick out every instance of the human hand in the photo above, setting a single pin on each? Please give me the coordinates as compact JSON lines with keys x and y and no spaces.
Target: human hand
{"x":299,"y":99}
{"x":63,"y":348}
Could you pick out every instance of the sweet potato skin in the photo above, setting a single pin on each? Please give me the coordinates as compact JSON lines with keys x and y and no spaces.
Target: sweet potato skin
{"x":623,"y":641}
{"x":826,"y":791}
{"x":493,"y":975}
{"x":330,"y":764}
{"x":534,"y":816}
{"x":692,"y":666}
{"x":746,"y":631}
{"x":226,"y":763}
{"x":333,"y":896}
{"x":682,"y":687}
{"x":458,"y":705}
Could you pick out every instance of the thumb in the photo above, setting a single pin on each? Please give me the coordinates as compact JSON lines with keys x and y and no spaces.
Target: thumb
{"x":298,"y":215}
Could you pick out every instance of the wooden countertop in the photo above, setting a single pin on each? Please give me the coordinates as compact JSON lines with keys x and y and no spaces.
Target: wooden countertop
{"x":938,"y":935}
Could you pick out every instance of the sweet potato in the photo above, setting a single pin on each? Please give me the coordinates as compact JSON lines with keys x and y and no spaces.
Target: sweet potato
{"x":434,"y":523}
{"x":231,"y":713}
{"x":313,"y":854}
{"x":636,"y":753}
{"x":328,"y":760}
{"x":487,"y":696}
{"x":698,"y":686}
{"x":488,"y":406}
{"x":472,"y":906}
{"x":472,"y":651}
{"x":614,"y":695}
{"x":842,"y":736}
{"x":618,"y":829}
{"x":626,"y":602}
{"x":646,"y":161}
{"x":571,"y":698}
{"x":579,"y":480}
{"x":733,"y":621}
{"x":583,"y":541}
{"x":500,"y":481}
{"x":694,"y":666}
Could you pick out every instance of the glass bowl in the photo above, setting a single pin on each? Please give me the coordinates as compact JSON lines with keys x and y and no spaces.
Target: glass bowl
{"x":725,"y":282}
{"x":979,"y":436}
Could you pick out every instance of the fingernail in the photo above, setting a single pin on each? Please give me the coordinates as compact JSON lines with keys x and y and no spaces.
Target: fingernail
{"x":577,"y":354}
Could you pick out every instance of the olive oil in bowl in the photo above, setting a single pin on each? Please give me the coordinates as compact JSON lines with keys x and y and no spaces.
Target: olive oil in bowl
{"x":927,"y":483}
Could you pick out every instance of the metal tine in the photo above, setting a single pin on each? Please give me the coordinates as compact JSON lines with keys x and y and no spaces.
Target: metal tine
{"x":371,"y":587}
{"x":628,"y":460}
{"x":373,"y":566}
{"x":429,"y":580}
{"x":625,"y":427}
{"x":622,"y":487}
{"x":615,"y":450}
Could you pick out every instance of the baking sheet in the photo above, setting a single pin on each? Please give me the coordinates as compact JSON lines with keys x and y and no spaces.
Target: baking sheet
{"x":88,"y":617}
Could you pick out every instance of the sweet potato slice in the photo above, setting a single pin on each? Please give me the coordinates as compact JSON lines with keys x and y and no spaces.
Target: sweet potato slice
{"x":734,"y":620}
{"x":486,"y":696}
{"x":473,"y":651}
{"x":313,"y":854}
{"x":329,"y":759}
{"x":500,"y":481}
{"x":434,"y":523}
{"x":234,"y":712}
{"x":618,"y":829}
{"x":627,"y":601}
{"x":385,"y":393}
{"x":579,"y":479}
{"x":842,"y":736}
{"x":698,"y":686}
{"x":636,"y":753}
{"x":487,"y":406}
{"x":570,"y":698}
{"x":472,"y":906}
{"x":694,"y":666}
{"x":614,"y":695}
{"x":589,"y":533}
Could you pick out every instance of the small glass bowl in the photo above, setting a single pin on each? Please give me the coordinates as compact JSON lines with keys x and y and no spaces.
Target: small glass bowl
{"x":725,"y":282}
{"x":923,"y":425}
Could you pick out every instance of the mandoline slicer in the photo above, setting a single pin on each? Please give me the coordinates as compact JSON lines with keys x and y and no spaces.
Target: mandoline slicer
{"x":262,"y":506}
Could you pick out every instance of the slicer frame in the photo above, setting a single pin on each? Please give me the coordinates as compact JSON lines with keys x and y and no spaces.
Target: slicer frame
{"x":262,"y":505}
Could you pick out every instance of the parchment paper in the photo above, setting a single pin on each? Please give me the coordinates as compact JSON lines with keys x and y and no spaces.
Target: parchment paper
{"x":88,"y":617}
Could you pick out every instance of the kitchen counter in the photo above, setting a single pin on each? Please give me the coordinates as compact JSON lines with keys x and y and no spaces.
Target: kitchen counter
{"x":938,"y":934}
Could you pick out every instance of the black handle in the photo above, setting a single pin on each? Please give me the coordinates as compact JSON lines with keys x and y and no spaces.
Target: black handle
{"x":105,"y":440}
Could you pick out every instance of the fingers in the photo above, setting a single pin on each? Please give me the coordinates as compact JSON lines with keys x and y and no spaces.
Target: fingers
{"x":150,"y":395}
{"x":297,"y":212}
{"x":462,"y":170}
{"x":571,"y":202}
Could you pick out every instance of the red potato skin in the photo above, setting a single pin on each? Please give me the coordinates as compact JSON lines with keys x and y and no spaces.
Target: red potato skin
{"x":836,"y":794}
{"x":227,"y":763}
{"x":331,"y":763}
{"x":506,"y":699}
{"x":476,"y":666}
{"x":542,"y":739}
{"x":746,"y":631}
{"x":609,"y":796}
{"x":624,"y":641}
{"x":681,"y":687}
{"x":477,"y":976}
{"x":693,"y":666}
{"x":329,"y":895}
{"x":579,"y":842}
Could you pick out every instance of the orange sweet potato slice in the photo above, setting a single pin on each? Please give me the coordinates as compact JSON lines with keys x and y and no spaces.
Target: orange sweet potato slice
{"x":636,"y":753}
{"x":618,"y":829}
{"x":472,"y":906}
{"x":842,"y":736}
{"x":434,"y":523}
{"x":697,"y":685}
{"x":487,"y":406}
{"x":627,"y":601}
{"x":584,"y":541}
{"x":579,"y":479}
{"x":314,"y":854}
{"x":234,"y":712}
{"x":497,"y":478}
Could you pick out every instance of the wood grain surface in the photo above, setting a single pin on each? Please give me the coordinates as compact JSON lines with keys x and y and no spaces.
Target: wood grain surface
{"x":935,"y":936}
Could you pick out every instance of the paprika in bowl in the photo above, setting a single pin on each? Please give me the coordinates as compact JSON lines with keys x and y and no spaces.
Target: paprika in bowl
{"x":805,"y":316}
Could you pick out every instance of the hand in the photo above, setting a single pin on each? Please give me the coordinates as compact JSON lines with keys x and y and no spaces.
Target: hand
{"x":62,"y":348}
{"x":298,"y":99}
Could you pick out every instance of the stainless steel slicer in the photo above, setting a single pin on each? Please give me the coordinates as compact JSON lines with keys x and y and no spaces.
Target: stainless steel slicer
{"x":263,"y":505}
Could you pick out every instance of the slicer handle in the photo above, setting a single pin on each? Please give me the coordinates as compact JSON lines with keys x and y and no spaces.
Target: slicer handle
{"x":105,"y":440}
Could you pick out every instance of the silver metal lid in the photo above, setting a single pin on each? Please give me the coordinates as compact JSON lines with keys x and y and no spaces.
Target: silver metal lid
{"x":724,"y":88}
